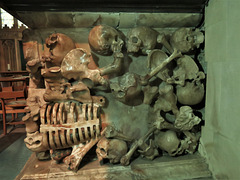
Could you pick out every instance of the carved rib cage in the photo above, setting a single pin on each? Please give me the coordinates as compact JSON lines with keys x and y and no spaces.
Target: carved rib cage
{"x":68,"y":123}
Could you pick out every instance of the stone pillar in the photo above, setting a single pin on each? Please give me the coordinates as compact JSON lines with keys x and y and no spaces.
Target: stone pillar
{"x":220,"y":135}
{"x":15,"y":23}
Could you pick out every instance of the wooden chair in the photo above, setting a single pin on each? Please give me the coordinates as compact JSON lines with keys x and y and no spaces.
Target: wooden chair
{"x":12,"y":102}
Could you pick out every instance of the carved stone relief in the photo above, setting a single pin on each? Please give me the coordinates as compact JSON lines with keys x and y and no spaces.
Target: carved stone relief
{"x":77,"y":107}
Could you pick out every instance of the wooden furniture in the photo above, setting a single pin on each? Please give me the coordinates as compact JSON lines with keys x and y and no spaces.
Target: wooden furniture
{"x":12,"y":101}
{"x":11,"y":73}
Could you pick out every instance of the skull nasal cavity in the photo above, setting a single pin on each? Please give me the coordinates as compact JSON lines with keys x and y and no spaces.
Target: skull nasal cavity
{"x":134,"y":39}
{"x":53,"y":38}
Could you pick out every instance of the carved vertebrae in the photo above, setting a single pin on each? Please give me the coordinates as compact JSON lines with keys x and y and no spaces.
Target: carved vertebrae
{"x":68,"y":123}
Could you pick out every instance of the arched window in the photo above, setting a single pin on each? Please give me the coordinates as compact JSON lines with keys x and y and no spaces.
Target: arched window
{"x":7,"y":19}
{"x":21,"y":24}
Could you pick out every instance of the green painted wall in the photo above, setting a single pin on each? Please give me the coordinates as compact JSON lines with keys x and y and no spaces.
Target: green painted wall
{"x":220,"y":136}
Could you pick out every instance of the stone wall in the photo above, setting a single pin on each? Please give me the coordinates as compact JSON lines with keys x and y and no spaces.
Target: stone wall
{"x":220,"y":135}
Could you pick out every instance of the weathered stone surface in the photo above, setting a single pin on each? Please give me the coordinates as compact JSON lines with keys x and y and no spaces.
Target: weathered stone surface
{"x":220,"y":136}
{"x":184,"y":167}
{"x":123,"y":20}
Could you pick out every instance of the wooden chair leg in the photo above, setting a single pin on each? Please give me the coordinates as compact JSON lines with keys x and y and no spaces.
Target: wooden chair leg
{"x":4,"y":124}
{"x":13,"y":116}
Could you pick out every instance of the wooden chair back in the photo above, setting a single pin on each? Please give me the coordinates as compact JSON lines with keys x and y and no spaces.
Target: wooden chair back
{"x":12,"y":102}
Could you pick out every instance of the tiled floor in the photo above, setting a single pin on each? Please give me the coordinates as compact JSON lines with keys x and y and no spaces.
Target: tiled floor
{"x":13,"y":152}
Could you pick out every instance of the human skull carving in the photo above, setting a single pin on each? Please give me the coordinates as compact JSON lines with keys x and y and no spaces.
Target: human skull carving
{"x":169,"y":142}
{"x":112,"y":149}
{"x":35,"y":142}
{"x":126,"y":88}
{"x":75,"y":66}
{"x":141,"y":39}
{"x":102,"y":37}
{"x":186,"y":119}
{"x":186,"y":39}
{"x":59,"y":45}
{"x":190,"y":94}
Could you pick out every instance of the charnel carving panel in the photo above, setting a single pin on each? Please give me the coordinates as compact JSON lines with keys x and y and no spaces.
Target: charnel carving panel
{"x":145,"y":99}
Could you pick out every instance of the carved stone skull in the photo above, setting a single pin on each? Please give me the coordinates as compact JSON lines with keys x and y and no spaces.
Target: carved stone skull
{"x":169,"y":142}
{"x":141,"y":39}
{"x":34,"y":142}
{"x":59,"y":45}
{"x":185,"y":39}
{"x":126,"y":88}
{"x":190,"y":94}
{"x":112,"y":149}
{"x":102,"y":37}
{"x":75,"y":66}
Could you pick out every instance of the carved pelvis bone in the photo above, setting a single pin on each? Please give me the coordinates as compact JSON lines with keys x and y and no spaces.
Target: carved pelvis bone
{"x":81,"y":93}
{"x":75,"y":66}
{"x":78,"y":92}
{"x":186,"y":69}
{"x":102,"y":37}
{"x":157,"y":57}
{"x":59,"y":45}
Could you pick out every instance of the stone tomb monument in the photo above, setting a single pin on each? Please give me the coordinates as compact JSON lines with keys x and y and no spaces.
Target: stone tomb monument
{"x":132,"y":94}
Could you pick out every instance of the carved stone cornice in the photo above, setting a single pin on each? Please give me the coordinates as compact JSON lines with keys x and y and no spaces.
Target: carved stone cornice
{"x":11,"y":33}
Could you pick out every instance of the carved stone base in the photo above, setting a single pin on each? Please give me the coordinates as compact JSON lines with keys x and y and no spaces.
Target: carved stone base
{"x":184,"y":167}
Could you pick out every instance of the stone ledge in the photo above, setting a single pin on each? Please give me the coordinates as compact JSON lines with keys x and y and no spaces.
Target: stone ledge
{"x":183,"y":167}
{"x":41,"y":20}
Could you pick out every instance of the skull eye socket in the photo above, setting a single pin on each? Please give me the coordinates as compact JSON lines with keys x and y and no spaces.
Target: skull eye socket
{"x":53,"y":38}
{"x":189,"y":38}
{"x":106,"y":46}
{"x":179,"y":145}
{"x":134,"y":39}
{"x":174,"y":152}
{"x":121,"y":94}
{"x":103,"y":151}
{"x":88,"y":82}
